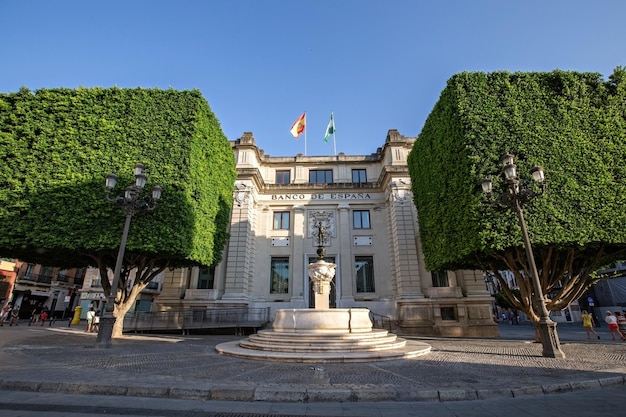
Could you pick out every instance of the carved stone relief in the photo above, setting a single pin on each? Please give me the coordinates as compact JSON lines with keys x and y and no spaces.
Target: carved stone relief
{"x":327,"y":219}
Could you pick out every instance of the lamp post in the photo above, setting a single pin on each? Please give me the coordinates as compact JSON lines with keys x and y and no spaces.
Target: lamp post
{"x":130,"y":203}
{"x":518,"y":194}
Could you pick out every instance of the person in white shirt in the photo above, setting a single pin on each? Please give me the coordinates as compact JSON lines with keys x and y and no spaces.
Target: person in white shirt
{"x":611,"y":320}
{"x":95,"y":326}
{"x":90,"y":315}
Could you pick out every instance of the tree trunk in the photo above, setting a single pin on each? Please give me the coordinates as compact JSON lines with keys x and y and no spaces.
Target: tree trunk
{"x":563,"y":274}
{"x":124,"y":300}
{"x":122,"y":308}
{"x":119,"y":313}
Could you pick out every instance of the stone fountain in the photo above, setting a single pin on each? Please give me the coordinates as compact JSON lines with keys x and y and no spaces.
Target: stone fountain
{"x":322,"y":334}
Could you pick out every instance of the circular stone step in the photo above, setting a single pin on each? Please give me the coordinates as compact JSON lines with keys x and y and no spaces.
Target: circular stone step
{"x":411,"y":349}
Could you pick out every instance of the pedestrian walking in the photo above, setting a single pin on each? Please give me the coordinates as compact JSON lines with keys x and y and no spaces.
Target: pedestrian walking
{"x":611,"y":320}
{"x":596,"y":320}
{"x":96,"y":322}
{"x":621,"y":322}
{"x":15,"y":316}
{"x":588,"y":324}
{"x":90,"y":315}
{"x":36,"y":314}
{"x":4,"y":313}
{"x":44,"y":316}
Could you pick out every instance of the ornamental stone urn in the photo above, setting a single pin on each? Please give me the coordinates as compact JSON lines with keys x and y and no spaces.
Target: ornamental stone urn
{"x":321,"y":274}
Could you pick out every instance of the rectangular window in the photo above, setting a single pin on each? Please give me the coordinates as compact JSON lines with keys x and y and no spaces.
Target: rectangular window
{"x":283,"y":177}
{"x":361,"y":219}
{"x":440,"y":278}
{"x":47,"y":271}
{"x":448,"y":313}
{"x":281,"y":220}
{"x":321,"y":176}
{"x":29,"y":270}
{"x":79,"y":277}
{"x":80,"y":273}
{"x":359,"y":176}
{"x":279,"y":274}
{"x":364,"y":273}
{"x":206,"y":278}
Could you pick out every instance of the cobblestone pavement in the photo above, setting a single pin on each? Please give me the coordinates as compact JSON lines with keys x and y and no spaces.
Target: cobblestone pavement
{"x":62,"y":359}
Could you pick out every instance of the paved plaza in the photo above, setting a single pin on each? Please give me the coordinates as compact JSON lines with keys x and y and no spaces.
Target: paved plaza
{"x":38,"y":363}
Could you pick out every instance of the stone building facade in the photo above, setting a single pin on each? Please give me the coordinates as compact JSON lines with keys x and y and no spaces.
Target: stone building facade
{"x":365,"y":205}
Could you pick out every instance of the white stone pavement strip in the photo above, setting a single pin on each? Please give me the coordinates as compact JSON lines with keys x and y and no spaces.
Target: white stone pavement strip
{"x":62,"y":360}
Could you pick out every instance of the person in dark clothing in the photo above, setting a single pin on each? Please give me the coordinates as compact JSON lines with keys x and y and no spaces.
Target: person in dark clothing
{"x":36,"y":314}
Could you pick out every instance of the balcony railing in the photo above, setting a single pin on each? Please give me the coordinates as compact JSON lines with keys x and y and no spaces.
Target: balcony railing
{"x":42,"y":279}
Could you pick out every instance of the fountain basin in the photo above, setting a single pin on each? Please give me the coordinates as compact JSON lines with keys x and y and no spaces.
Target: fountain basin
{"x":331,"y":321}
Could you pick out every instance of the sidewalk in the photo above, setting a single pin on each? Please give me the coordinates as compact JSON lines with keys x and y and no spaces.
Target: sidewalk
{"x":65,"y":360}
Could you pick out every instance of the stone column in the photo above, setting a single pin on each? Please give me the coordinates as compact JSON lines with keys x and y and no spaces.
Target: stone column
{"x":298,"y":277}
{"x":404,"y":237}
{"x":240,"y":247}
{"x":346,"y":261}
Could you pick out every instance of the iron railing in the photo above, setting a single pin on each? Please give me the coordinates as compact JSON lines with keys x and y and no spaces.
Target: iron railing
{"x":380,"y":322}
{"x":183,"y":321}
{"x":44,"y":279}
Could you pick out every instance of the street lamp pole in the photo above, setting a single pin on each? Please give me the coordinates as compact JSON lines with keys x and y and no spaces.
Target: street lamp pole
{"x":131,"y":202}
{"x":517,"y":194}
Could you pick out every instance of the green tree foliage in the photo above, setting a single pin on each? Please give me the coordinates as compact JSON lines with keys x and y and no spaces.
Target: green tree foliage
{"x":57,"y":146}
{"x":574,"y":125}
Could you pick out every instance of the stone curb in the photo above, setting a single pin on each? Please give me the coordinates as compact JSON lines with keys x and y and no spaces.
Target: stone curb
{"x":306,"y":394}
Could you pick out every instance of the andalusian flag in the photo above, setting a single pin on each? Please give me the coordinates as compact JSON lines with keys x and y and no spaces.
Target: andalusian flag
{"x":330,"y":129}
{"x":298,"y":126}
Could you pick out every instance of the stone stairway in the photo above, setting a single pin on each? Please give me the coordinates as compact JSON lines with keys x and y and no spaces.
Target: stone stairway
{"x":301,"y":338}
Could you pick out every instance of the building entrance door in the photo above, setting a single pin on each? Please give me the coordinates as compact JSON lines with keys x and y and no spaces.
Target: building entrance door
{"x":332,"y":301}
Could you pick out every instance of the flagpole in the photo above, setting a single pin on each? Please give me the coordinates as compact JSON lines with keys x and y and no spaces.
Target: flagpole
{"x":334,"y":130}
{"x":305,"y":123}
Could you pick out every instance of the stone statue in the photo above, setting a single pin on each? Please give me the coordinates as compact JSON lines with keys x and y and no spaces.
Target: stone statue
{"x":321,"y":238}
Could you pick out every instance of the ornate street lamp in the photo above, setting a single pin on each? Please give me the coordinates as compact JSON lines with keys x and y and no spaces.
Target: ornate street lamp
{"x":131,"y":202}
{"x":518,"y":194}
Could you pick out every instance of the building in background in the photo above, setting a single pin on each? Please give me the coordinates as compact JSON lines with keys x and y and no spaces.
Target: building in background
{"x":57,"y":289}
{"x":7,"y":279}
{"x":61,"y":290}
{"x":365,"y":205}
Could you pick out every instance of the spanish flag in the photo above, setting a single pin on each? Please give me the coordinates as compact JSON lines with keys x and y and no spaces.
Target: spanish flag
{"x":298,"y":126}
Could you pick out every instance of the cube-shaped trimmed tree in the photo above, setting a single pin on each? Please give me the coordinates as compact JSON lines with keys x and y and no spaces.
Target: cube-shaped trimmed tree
{"x":57,"y":146}
{"x":574,"y":126}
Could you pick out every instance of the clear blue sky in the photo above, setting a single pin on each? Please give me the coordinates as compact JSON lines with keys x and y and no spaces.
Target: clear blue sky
{"x":378,"y":65}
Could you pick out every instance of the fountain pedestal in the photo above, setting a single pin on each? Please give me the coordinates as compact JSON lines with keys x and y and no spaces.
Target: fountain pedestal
{"x":321,"y":273}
